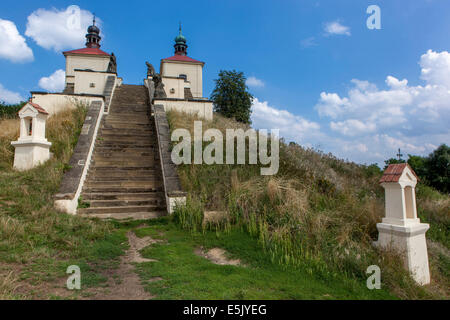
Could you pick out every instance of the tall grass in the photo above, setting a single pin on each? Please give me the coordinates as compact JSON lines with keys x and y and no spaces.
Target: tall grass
{"x":318,"y":213}
{"x":34,"y":237}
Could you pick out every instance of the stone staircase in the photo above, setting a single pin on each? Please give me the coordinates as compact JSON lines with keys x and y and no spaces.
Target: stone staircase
{"x":124,"y":179}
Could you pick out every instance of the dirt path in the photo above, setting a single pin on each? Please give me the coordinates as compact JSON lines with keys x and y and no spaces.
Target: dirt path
{"x":128,"y":286}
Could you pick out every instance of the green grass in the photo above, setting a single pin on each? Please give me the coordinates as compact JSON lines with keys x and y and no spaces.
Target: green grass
{"x":188,"y":276}
{"x":38,"y":243}
{"x":318,"y":211}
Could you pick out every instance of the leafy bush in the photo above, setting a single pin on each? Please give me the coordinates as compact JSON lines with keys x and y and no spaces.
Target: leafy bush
{"x":10,"y":111}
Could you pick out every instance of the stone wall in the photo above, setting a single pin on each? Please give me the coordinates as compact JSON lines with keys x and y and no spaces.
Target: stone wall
{"x":172,"y":186}
{"x":66,"y":199}
{"x":202,"y":108}
{"x":57,"y":102}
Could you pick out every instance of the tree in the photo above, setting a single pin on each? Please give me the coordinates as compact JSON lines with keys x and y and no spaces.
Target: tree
{"x":438,"y":168}
{"x":419,"y":165}
{"x":231,"y":97}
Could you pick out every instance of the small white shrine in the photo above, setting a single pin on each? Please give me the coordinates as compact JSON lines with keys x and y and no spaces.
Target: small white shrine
{"x":32,"y":148}
{"x":401,"y":230}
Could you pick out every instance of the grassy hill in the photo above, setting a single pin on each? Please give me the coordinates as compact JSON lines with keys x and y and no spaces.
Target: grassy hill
{"x":37,"y":243}
{"x":318,"y":213}
{"x":305,"y":233}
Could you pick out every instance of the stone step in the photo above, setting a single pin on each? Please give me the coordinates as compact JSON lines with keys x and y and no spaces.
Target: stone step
{"x":124,"y":168}
{"x":131,"y":120}
{"x":141,"y":110}
{"x":100,"y":188}
{"x":125,"y":147}
{"x":124,"y":163}
{"x":95,"y":178}
{"x":127,"y":126}
{"x":125,"y":150}
{"x":125,"y":133}
{"x":125,"y":144}
{"x":104,"y":154}
{"x":123,"y":209}
{"x":124,"y":174}
{"x":124,"y":196}
{"x":124,"y":203}
{"x":122,"y":138}
{"x":127,"y":215}
{"x":144,"y":183}
{"x":127,"y":118}
{"x":124,"y":157}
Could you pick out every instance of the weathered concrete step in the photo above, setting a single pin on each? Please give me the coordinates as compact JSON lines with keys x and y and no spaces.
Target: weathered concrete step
{"x":123,"y":157}
{"x":142,"y":128}
{"x":95,"y":178}
{"x":122,"y":169}
{"x":126,"y":134}
{"x":126,"y":184}
{"x":128,"y":115}
{"x":124,"y":145}
{"x":111,"y":189}
{"x":127,"y":119}
{"x":124,"y":203}
{"x":131,"y":106}
{"x":126,"y":150}
{"x":110,"y":175}
{"x":126,"y":126}
{"x":124,"y":196}
{"x":128,"y":139}
{"x":116,"y":173}
{"x":123,"y":177}
{"x":124,"y":163}
{"x":141,"y":110}
{"x":131,"y":150}
{"x":124,"y":209}
{"x":127,"y":215}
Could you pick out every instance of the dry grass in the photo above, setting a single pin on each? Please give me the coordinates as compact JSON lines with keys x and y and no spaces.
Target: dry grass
{"x":8,"y":285}
{"x":317,"y":210}
{"x":33,"y":235}
{"x":9,"y":128}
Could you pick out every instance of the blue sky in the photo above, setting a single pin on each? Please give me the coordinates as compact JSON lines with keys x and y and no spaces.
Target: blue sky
{"x":325,"y":79}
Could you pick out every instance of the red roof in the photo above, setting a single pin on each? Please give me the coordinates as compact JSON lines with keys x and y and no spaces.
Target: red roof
{"x":36,"y":106}
{"x":94,"y":51}
{"x":179,"y":57}
{"x":394,"y":171}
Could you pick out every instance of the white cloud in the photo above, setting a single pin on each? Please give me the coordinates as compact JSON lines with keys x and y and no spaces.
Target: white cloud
{"x":435,"y":68}
{"x":59,"y":29}
{"x":9,"y":97}
{"x":291,"y":126}
{"x":369,"y":124}
{"x":335,"y":27}
{"x":54,"y":82}
{"x":413,"y":118}
{"x":352,"y":127}
{"x":12,"y":45}
{"x":254,"y":82}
